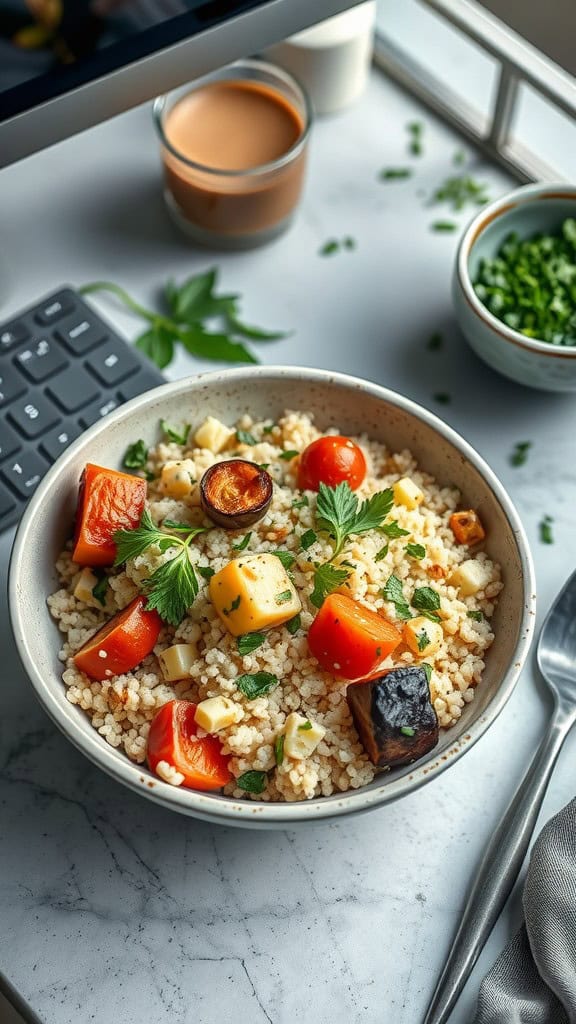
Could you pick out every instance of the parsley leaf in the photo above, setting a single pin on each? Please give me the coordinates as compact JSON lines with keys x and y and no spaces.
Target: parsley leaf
{"x":475,"y":614}
{"x":339,"y":515}
{"x":279,"y":749}
{"x":172,"y":588}
{"x":394,"y":593}
{"x":206,"y":571}
{"x":245,"y":437}
{"x":175,"y":435}
{"x":243,"y":544}
{"x":131,"y":543}
{"x":249,"y":642}
{"x":300,"y":502}
{"x":427,"y":601}
{"x":252,"y":782}
{"x":422,"y":640}
{"x":327,"y":578}
{"x":381,"y":553}
{"x":294,"y":624}
{"x":286,"y":557}
{"x":329,"y":248}
{"x":99,"y":589}
{"x":305,"y":727}
{"x":256,"y":684}
{"x":415,"y":550}
{"x":307,"y":539}
{"x":392,"y":530}
{"x":136,"y":456}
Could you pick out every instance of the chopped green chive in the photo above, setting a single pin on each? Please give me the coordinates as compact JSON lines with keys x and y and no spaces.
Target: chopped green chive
{"x":545,"y":527}
{"x":243,"y":544}
{"x":395,"y":174}
{"x":235,"y":604}
{"x":289,"y":455}
{"x":520,"y":454}
{"x":305,"y":726}
{"x":279,"y":749}
{"x":282,"y":598}
{"x":443,"y":226}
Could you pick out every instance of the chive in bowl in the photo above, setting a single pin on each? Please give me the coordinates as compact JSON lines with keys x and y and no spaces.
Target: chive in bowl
{"x":528,"y":211}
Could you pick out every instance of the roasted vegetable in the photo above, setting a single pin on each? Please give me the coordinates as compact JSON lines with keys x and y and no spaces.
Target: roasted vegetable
{"x":394,"y":716}
{"x":121,"y":643}
{"x":173,"y":741}
{"x":235,"y":493}
{"x":349,"y":640}
{"x":107,"y":501}
{"x":466,"y":527}
{"x":331,"y":460}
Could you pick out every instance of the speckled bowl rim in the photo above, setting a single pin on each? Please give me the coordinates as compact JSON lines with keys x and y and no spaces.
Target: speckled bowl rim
{"x":260,"y":814}
{"x":500,"y":208}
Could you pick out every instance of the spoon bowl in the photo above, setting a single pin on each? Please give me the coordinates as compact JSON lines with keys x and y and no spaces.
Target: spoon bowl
{"x":556,"y":652}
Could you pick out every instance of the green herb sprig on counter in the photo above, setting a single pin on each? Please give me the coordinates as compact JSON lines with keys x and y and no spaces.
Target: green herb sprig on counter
{"x":545,"y":528}
{"x":395,"y":174}
{"x":189,"y":307}
{"x":415,"y":131}
{"x":334,"y":245}
{"x":461,"y":190}
{"x":173,"y":587}
{"x":520,"y":454}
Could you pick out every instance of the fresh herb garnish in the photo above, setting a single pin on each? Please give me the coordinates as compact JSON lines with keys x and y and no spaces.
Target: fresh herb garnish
{"x":289,"y":455}
{"x":545,"y":527}
{"x":459,"y":191}
{"x":327,"y":578}
{"x":339,"y":514}
{"x":520,"y":453}
{"x":442,"y":397}
{"x":100,"y":588}
{"x":136,"y":456}
{"x":249,"y":642}
{"x":395,"y":173}
{"x":307,"y":539}
{"x":243,"y":544}
{"x":407,"y":730}
{"x":393,"y":531}
{"x":175,"y":435}
{"x":428,"y":670}
{"x":294,"y":624}
{"x":334,"y":245}
{"x":427,"y":601}
{"x":252,"y":782}
{"x":279,"y":749}
{"x":173,"y":587}
{"x":282,"y":598}
{"x":268,"y":428}
{"x":394,"y":593}
{"x":435,"y":342}
{"x":381,"y":553}
{"x":286,"y":557}
{"x":301,"y":502}
{"x":415,"y":550}
{"x":305,"y":726}
{"x":235,"y":604}
{"x":206,"y":571}
{"x":475,"y":614}
{"x":187,"y":310}
{"x":443,"y":226}
{"x":422,"y":640}
{"x":245,"y":437}
{"x":415,"y":130}
{"x":256,"y":684}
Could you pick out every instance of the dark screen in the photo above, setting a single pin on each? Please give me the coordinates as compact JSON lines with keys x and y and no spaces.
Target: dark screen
{"x":50,"y":46}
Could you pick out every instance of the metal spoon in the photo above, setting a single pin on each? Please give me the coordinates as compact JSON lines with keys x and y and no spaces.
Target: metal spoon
{"x":505,"y":854}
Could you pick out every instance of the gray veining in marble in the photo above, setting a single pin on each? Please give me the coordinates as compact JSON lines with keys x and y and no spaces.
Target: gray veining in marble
{"x":113,"y":910}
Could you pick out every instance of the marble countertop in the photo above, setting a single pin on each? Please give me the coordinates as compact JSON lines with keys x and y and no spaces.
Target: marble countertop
{"x":113,"y":909}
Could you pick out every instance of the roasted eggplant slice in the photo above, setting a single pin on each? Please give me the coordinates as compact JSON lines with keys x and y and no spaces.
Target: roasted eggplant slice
{"x":394,"y":716}
{"x":235,"y":493}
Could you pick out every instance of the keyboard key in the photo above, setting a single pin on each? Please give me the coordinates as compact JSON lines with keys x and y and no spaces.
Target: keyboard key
{"x":10,"y":443}
{"x":56,"y":441}
{"x":7,"y":502}
{"x":40,"y":360}
{"x":112,"y":363}
{"x":12,"y":335}
{"x":140,"y":382}
{"x":55,"y":308}
{"x":34,"y":417}
{"x":82,"y":334}
{"x":24,"y":474}
{"x":73,"y":389}
{"x":12,"y":385}
{"x":98,"y":410}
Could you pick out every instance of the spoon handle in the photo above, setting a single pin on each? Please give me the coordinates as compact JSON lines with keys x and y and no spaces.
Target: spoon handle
{"x":498,"y":872}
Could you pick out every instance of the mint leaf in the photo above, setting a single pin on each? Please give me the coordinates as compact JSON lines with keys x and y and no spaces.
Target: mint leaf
{"x":392,"y":530}
{"x":245,"y":437}
{"x":394,"y":593}
{"x":415,"y":550}
{"x":158,"y":345}
{"x":215,"y":346}
{"x":252,"y":782}
{"x":256,"y":684}
{"x":249,"y":642}
{"x":294,"y":624}
{"x":427,"y":601}
{"x":286,"y":557}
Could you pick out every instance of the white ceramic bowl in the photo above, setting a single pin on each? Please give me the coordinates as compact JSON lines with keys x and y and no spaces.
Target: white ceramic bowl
{"x":528,"y":211}
{"x":354,"y":406}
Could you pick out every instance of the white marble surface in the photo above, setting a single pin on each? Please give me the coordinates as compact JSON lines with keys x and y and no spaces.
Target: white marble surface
{"x":113,"y":909}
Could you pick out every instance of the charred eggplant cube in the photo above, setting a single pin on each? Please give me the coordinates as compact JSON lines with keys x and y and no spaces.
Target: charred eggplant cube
{"x":394,"y":716}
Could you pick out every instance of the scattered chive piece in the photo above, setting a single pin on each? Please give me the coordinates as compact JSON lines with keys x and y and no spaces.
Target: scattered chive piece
{"x":282,"y":598}
{"x":459,"y":157}
{"x":305,"y":726}
{"x":307,"y":539}
{"x":206,"y":571}
{"x":395,"y":173}
{"x":520,"y":453}
{"x":287,"y":456}
{"x":349,"y":243}
{"x":329,"y":248}
{"x":301,"y":502}
{"x":173,"y":434}
{"x":382,"y":553}
{"x":545,"y":527}
{"x":415,"y":148}
{"x":249,"y":642}
{"x":294,"y":624}
{"x":252,"y":782}
{"x":136,"y":456}
{"x":256,"y":684}
{"x":475,"y":614}
{"x":245,"y":437}
{"x":243,"y":544}
{"x":235,"y":604}
{"x":443,"y":226}
{"x":415,"y":129}
{"x":279,"y":749}
{"x":435,"y":342}
{"x":407,"y":730}
{"x":415,"y":550}
{"x":442,"y":397}
{"x":460,"y":190}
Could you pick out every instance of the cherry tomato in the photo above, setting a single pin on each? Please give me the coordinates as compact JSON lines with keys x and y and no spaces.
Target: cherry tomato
{"x":107,"y":501}
{"x":350,"y":640}
{"x":331,"y":461}
{"x":173,"y":738}
{"x":121,"y":643}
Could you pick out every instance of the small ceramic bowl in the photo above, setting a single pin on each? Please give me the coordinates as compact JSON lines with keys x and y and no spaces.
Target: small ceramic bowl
{"x":335,"y":400}
{"x":528,"y":211}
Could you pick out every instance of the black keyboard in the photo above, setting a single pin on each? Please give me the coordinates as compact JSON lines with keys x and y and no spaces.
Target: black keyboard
{"x":62,"y":368}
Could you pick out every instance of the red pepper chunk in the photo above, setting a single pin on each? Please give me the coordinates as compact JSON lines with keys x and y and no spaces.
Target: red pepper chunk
{"x":173,"y":738}
{"x":122,"y":643}
{"x":107,"y":501}
{"x":349,"y":640}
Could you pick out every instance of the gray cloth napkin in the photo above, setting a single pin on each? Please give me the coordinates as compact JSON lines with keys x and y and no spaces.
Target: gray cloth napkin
{"x":534,"y":980}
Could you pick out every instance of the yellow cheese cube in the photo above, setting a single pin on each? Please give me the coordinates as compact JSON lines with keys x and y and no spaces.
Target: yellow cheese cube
{"x":253,"y":592}
{"x":407,"y":493}
{"x":213,"y":435}
{"x":83,"y":589}
{"x":178,"y":478}
{"x":423,"y":636}
{"x":176,"y":661}
{"x":470,"y":577}
{"x":216,"y":713}
{"x":301,"y":736}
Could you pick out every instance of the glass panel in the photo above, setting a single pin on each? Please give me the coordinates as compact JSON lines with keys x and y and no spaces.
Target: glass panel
{"x":545,"y":131}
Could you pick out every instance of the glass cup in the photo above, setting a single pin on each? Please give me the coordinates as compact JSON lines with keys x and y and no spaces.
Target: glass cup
{"x":228,"y":208}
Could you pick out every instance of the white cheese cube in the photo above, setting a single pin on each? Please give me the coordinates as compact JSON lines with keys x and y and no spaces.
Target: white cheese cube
{"x":301,"y":736}
{"x":470,"y":577}
{"x":176,"y":661}
{"x":83,"y":589}
{"x":253,"y":592}
{"x":423,"y":636}
{"x":216,"y":713}
{"x":407,"y":493}
{"x":178,"y":478}
{"x":213,"y":435}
